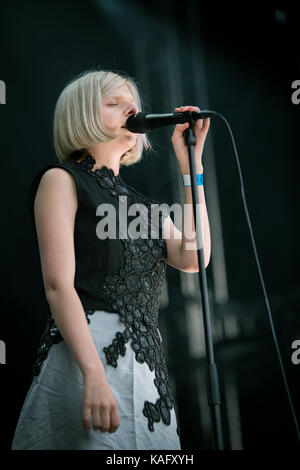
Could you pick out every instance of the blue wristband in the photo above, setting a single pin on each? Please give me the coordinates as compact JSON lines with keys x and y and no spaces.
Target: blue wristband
{"x":187,"y":180}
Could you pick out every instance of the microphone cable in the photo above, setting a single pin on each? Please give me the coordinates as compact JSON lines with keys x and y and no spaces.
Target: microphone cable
{"x":213,"y":113}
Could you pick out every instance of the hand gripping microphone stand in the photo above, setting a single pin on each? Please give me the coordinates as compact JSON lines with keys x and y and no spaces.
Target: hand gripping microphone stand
{"x":212,"y":381}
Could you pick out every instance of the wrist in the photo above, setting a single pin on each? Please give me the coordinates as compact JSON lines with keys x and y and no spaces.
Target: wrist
{"x":186,"y":179}
{"x":185,"y":169}
{"x":93,"y":368}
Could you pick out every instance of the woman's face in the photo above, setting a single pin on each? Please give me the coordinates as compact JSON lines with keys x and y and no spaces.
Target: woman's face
{"x":116,"y":108}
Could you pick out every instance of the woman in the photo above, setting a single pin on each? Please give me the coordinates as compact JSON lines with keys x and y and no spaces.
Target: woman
{"x":100,"y":379}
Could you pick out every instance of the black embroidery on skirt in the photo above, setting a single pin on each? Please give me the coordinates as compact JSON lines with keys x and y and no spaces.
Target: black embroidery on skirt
{"x":134,"y":293}
{"x":51,"y":335}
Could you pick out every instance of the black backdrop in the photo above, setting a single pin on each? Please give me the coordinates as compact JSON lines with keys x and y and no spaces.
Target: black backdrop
{"x":249,"y":56}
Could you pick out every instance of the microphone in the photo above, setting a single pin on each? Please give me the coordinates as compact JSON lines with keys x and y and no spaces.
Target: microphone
{"x":142,"y":122}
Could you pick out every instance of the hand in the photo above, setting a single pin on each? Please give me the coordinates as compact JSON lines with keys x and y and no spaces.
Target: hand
{"x":99,"y":402}
{"x":181,"y":151}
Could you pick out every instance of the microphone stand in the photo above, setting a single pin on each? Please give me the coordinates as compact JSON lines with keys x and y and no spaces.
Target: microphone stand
{"x":212,"y":381}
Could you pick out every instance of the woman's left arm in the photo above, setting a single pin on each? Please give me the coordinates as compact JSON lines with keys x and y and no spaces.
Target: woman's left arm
{"x":182,"y":246}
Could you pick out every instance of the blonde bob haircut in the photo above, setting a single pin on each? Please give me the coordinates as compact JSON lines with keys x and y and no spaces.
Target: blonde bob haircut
{"x":77,"y":116}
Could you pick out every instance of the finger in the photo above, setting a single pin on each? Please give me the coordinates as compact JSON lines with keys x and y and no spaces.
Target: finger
{"x":179,"y":129}
{"x":105,"y":419}
{"x":114,"y":420}
{"x":202,"y":132}
{"x":206,"y":124}
{"x":199,"y":122}
{"x":86,"y":417}
{"x":96,"y":418}
{"x":194,"y":108}
{"x":185,"y":108}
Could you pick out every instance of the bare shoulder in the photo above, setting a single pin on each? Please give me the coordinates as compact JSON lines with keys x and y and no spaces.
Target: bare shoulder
{"x":57,"y":187}
{"x":55,"y":207}
{"x":58,"y":178}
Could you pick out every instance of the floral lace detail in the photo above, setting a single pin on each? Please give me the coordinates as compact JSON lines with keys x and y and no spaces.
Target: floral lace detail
{"x":105,"y":176}
{"x":134,"y":292}
{"x":51,"y":335}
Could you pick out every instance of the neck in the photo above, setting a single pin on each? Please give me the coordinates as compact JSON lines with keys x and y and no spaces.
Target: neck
{"x":106,"y":155}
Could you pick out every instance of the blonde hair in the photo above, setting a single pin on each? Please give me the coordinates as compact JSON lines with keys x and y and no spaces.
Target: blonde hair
{"x":77,"y":117}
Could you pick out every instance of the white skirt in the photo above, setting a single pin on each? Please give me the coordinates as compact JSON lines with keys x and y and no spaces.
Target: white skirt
{"x":51,"y":416}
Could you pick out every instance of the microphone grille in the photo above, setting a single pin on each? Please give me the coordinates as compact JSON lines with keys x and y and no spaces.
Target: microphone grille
{"x":136,"y":123}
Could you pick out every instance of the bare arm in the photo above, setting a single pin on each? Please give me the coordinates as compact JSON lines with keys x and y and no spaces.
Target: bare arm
{"x":55,"y":209}
{"x":181,"y":245}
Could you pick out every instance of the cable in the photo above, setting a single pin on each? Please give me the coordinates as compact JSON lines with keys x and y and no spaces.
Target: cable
{"x":261,"y":277}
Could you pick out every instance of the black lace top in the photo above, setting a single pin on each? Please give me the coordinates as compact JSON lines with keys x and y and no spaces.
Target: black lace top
{"x":122,"y":275}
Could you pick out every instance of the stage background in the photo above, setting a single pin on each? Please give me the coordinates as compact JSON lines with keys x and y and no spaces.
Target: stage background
{"x":240,"y":62}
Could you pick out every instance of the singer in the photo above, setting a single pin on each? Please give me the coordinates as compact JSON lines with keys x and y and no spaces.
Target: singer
{"x":100,"y":379}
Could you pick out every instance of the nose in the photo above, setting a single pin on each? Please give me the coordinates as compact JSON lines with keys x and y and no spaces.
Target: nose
{"x":132,"y":109}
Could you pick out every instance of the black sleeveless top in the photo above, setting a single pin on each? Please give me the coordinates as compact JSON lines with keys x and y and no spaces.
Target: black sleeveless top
{"x":121,"y":275}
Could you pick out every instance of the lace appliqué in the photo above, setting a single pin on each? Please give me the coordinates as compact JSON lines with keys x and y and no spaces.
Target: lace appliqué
{"x":134,"y":293}
{"x":51,"y":335}
{"x":105,"y":176}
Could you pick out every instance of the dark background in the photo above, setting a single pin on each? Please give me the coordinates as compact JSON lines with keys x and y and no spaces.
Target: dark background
{"x":239,"y":61}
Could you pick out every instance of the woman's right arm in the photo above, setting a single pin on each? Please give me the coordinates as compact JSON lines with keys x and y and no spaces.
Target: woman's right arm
{"x":55,"y":208}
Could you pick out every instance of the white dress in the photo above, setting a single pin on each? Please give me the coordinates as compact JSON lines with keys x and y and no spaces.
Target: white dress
{"x":51,"y":416}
